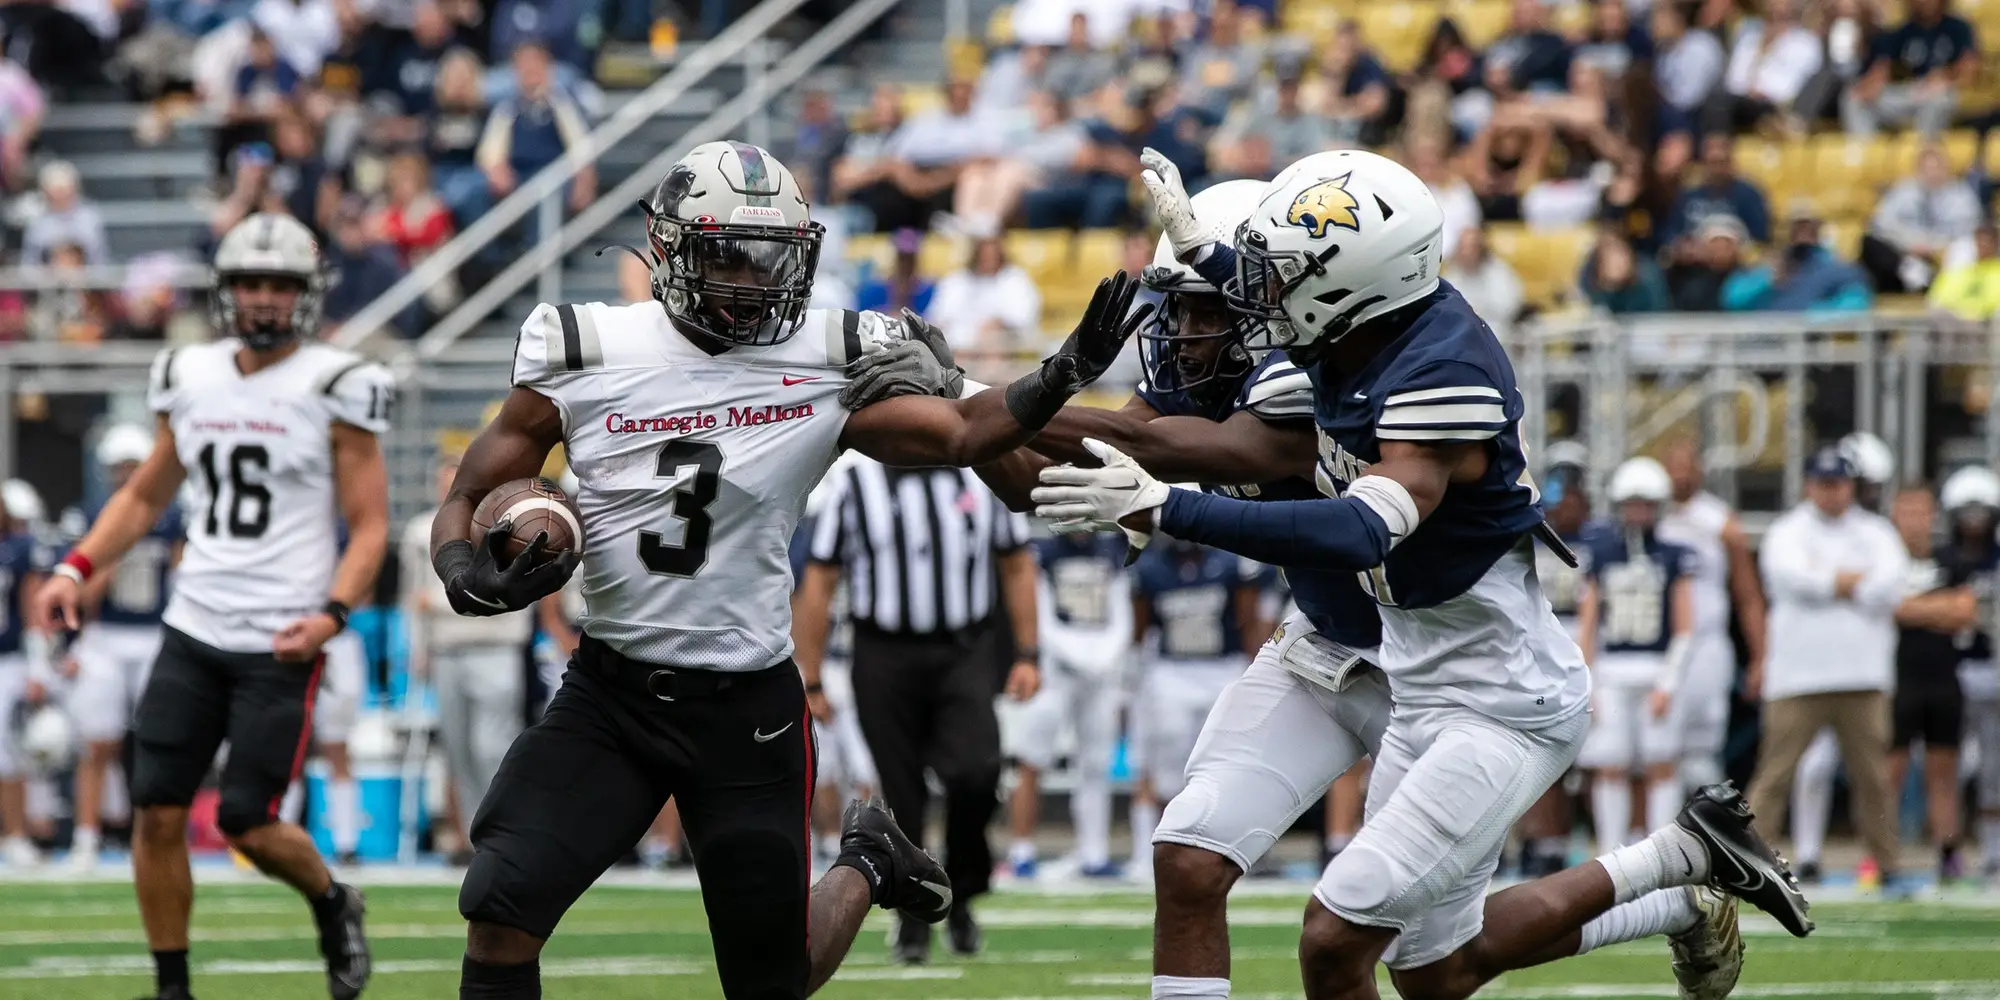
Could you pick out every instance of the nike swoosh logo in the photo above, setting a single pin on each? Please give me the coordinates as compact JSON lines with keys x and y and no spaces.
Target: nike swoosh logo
{"x":1689,"y":862}
{"x":800,"y":380}
{"x":1361,"y":397}
{"x":502,"y":605}
{"x":764,"y":737}
{"x":942,"y":892}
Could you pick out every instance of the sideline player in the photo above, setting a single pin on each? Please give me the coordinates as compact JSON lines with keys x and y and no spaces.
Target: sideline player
{"x":25,"y":677}
{"x":1971,"y":500}
{"x":1084,"y":604}
{"x":1415,"y":392}
{"x":697,"y":424}
{"x":1725,"y":576}
{"x":1194,"y":617}
{"x":1635,"y":625}
{"x":115,"y":651}
{"x":277,"y":434}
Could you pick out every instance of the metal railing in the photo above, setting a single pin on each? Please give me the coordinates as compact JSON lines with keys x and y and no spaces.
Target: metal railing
{"x":549,"y":182}
{"x":549,"y":253}
{"x":181,"y":275}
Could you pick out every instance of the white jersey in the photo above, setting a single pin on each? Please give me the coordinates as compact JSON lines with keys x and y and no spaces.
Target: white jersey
{"x":693,"y":471}
{"x":260,"y":505}
{"x":1698,"y":524}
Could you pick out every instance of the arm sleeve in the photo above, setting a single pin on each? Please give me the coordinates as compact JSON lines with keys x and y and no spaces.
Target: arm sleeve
{"x":1216,"y":263}
{"x":361,"y":394}
{"x":1450,"y":401}
{"x":162,"y":383}
{"x":1340,"y":534}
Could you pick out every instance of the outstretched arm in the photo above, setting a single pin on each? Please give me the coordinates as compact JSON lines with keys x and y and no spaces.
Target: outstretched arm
{"x":1016,"y":474}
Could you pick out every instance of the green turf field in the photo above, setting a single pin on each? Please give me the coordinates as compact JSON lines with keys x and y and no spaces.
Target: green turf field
{"x":59,"y":941}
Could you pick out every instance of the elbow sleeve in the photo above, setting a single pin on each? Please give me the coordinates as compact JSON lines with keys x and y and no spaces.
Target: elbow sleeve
{"x":1344,"y":533}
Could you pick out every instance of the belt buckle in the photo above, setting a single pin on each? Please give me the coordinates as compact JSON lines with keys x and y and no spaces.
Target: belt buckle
{"x":660,"y":684}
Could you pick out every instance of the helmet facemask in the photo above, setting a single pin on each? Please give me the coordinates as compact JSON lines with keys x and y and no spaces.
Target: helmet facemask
{"x":746,"y":285}
{"x":1195,"y":342}
{"x":1266,"y":279}
{"x":260,"y":325}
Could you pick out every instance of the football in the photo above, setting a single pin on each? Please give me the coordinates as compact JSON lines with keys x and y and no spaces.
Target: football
{"x":528,"y":507}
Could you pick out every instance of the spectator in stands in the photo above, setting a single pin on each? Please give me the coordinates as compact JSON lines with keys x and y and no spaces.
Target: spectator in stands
{"x":1448,"y":69}
{"x":456,"y":121}
{"x":1972,"y":291}
{"x":65,"y":218}
{"x":1612,"y":42}
{"x":1510,"y":154}
{"x":249,"y":190}
{"x":567,"y":30}
{"x":532,"y":129}
{"x":1720,"y":192}
{"x":989,"y":309}
{"x":1916,"y":221}
{"x":1847,"y":36}
{"x":265,"y":86}
{"x":1010,"y":76}
{"x":1532,"y":56}
{"x":1915,"y":74}
{"x":407,"y":81}
{"x":148,"y":301}
{"x":990,"y":191}
{"x":1621,"y":281}
{"x":1221,"y":69}
{"x":1689,"y":61}
{"x":1099,"y":195}
{"x":926,"y":156}
{"x":1425,"y":155}
{"x":1772,"y":60}
{"x":362,"y":268}
{"x":1803,"y":276}
{"x":1284,"y":130}
{"x":1353,"y":90}
{"x":1486,"y":281}
{"x":1079,"y":68}
{"x":300,"y":177}
{"x":21,"y":110}
{"x":819,"y":137}
{"x":865,"y":160}
{"x":1708,"y":258}
{"x":69,"y":310}
{"x":410,"y":218}
{"x":902,"y":288}
{"x":304,"y":32}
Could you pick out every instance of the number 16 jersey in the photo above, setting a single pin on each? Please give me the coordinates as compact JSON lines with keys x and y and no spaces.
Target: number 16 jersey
{"x":693,"y":471}
{"x":260,"y":508}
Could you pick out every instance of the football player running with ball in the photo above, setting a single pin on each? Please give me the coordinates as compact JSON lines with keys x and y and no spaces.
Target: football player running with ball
{"x":696,"y":424}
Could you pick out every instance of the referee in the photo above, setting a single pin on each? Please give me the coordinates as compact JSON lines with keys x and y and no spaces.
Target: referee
{"x":925,"y":552}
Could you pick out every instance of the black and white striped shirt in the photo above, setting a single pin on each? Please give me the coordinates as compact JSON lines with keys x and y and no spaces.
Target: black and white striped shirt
{"x":918,"y":545}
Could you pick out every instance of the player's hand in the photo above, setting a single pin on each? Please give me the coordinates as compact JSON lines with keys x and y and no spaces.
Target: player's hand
{"x":1658,"y":702}
{"x":56,"y":603}
{"x":905,"y":368}
{"x":1172,"y":204}
{"x":495,"y":585}
{"x":1108,"y":322}
{"x":1024,"y":680}
{"x":1844,"y":583}
{"x":300,"y":641}
{"x":1753,"y":683}
{"x":821,"y":709}
{"x":1120,"y":494}
{"x":34,"y":693}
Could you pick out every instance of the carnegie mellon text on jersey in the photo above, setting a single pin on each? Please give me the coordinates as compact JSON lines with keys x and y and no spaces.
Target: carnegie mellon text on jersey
{"x":682,"y":423}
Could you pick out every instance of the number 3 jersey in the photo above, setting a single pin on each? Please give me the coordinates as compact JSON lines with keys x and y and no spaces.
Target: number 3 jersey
{"x":693,"y":471}
{"x":260,"y":506}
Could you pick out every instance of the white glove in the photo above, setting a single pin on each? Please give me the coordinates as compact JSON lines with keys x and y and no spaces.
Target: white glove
{"x":1171,"y":203}
{"x":1101,"y":497}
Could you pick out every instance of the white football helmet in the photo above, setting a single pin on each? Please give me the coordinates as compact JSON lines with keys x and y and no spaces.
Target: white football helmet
{"x":1339,"y":239}
{"x":1195,"y":339}
{"x":268,"y":245}
{"x":1974,"y":485}
{"x":1640,"y":478}
{"x":1870,"y":456}
{"x":46,"y":739}
{"x":124,"y":444}
{"x":22,"y":501}
{"x":733,"y":246}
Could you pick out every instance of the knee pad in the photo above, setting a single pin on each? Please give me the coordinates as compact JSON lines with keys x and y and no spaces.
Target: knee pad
{"x":1195,"y":818}
{"x":1358,"y":882}
{"x":237,"y":815}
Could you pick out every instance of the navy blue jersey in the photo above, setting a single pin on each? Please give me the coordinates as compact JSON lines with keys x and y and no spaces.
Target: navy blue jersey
{"x":21,"y":555}
{"x":1981,"y":571}
{"x":138,"y":591}
{"x":1635,"y":576}
{"x":1079,"y":570}
{"x":1562,"y":582}
{"x":1446,"y":380}
{"x":1189,"y":593}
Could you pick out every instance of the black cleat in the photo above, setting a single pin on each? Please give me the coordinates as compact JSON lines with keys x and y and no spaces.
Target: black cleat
{"x":1739,"y":862}
{"x":963,"y":931}
{"x":910,"y":942}
{"x":915,"y":884}
{"x":345,"y":947}
{"x":170,"y":993}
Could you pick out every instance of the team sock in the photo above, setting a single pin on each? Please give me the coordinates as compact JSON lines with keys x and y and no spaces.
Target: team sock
{"x":343,"y":814}
{"x":1090,"y":813}
{"x":874,"y":865}
{"x":1669,"y":911}
{"x":85,"y":839}
{"x":326,"y":905}
{"x":1663,"y":802}
{"x":1023,"y":850}
{"x":1145,"y":819}
{"x":1812,"y":806}
{"x":170,"y":969}
{"x":480,"y":981}
{"x":1187,"y":988}
{"x":1669,"y":857}
{"x":1611,"y":810}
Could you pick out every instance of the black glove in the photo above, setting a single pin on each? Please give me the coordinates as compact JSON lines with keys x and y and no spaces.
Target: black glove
{"x":1108,"y":322}
{"x":480,"y":582}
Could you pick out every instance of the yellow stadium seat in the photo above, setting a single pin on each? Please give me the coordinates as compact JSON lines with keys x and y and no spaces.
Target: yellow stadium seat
{"x":1844,"y":238}
{"x":1546,"y":260}
{"x":1761,"y":162}
{"x":1480,"y":21}
{"x":1314,"y":21}
{"x":1397,"y":32}
{"x":1098,"y":252}
{"x":1043,"y":253}
{"x":941,"y":255}
{"x":1572,"y":19}
{"x":1959,"y":146}
{"x":1000,"y":26}
{"x":872,"y":249}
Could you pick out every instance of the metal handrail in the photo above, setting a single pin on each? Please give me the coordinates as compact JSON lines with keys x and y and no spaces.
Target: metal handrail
{"x":98,"y":277}
{"x":447,"y":259}
{"x":610,"y":205}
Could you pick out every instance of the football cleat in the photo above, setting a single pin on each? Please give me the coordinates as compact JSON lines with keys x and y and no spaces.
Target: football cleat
{"x":1739,"y":862}
{"x":1708,"y":957}
{"x":915,"y":884}
{"x":345,"y":947}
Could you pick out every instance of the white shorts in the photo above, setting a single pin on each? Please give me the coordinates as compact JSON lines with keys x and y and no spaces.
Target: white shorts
{"x":1623,"y":734}
{"x":341,"y":684}
{"x":1074,"y":710}
{"x":1700,"y":714}
{"x":844,"y":761}
{"x":13,"y":681}
{"x":112,"y":664}
{"x":1173,"y":702}
{"x":1447,"y":787}
{"x":1271,"y":746}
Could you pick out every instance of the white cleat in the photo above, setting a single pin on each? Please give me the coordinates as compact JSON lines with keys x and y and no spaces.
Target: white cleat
{"x":83,"y":860}
{"x":20,"y":853}
{"x":1708,"y":957}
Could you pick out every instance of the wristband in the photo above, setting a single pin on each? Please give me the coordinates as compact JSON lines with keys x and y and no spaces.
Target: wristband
{"x":77,"y":562}
{"x":67,"y":572}
{"x":338,"y":612}
{"x":1028,"y":653}
{"x":1031,"y":399}
{"x":815,"y":688}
